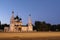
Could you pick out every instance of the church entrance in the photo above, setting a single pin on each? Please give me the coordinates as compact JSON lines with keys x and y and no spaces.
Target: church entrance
{"x":19,"y":29}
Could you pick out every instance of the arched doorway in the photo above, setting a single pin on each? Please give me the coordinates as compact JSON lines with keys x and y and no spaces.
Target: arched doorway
{"x":19,"y":29}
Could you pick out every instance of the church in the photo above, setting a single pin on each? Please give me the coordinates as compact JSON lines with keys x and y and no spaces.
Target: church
{"x":17,"y":26}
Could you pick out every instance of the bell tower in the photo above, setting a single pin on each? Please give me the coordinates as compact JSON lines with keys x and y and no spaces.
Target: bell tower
{"x":30,"y":27}
{"x":12,"y":22}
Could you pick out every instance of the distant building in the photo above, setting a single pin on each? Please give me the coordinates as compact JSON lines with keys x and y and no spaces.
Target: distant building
{"x":6,"y":27}
{"x":17,"y":26}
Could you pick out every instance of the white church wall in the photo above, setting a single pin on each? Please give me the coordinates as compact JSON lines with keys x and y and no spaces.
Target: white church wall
{"x":6,"y":29}
{"x":24,"y":28}
{"x":30,"y":28}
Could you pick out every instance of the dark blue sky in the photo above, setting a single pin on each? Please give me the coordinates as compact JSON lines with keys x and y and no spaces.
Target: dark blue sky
{"x":41,"y":10}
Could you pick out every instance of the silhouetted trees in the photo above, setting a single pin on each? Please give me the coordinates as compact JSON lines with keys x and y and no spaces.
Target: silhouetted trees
{"x":43,"y":26}
{"x":58,"y":27}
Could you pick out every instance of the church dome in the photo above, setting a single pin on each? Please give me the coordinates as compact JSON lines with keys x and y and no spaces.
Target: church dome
{"x":20,"y":18}
{"x":17,"y":18}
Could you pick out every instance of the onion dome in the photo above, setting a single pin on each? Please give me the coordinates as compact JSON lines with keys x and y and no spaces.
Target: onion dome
{"x":16,"y":17}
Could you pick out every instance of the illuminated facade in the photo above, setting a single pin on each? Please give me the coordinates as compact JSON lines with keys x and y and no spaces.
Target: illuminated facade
{"x":17,"y":26}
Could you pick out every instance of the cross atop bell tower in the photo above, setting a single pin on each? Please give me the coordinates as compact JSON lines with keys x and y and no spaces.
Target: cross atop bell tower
{"x":12,"y":11}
